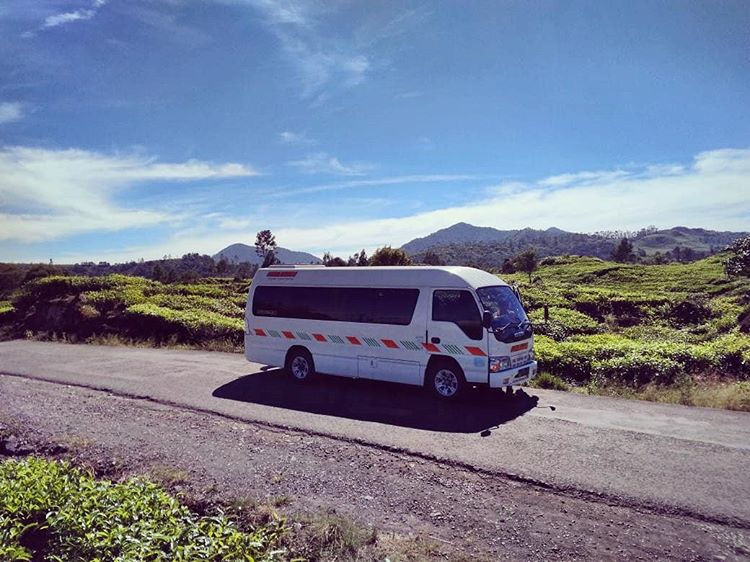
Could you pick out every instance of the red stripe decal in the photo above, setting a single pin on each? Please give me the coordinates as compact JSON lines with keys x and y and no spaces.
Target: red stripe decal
{"x":519,"y":347}
{"x":288,"y":335}
{"x":259,"y":332}
{"x":475,"y":351}
{"x":319,"y":337}
{"x":282,"y":274}
{"x":353,"y":340}
{"x":390,"y":343}
{"x":431,"y":347}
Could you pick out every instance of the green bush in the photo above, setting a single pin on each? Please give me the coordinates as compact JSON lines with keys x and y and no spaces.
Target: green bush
{"x":563,"y":322}
{"x":551,"y":382}
{"x":153,"y":321}
{"x":52,"y":511}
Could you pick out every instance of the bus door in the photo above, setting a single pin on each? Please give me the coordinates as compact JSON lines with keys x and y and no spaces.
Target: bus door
{"x":454,"y":328}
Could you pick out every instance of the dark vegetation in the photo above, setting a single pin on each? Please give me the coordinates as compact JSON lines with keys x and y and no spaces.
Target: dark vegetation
{"x":489,"y":248}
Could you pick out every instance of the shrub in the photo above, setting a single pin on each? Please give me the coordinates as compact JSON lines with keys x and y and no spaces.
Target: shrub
{"x":549,"y":381}
{"x":563,"y":322}
{"x":153,"y":321}
{"x":52,"y":511}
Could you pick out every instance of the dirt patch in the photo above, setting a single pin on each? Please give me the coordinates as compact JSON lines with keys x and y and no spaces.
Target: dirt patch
{"x":413,"y":508}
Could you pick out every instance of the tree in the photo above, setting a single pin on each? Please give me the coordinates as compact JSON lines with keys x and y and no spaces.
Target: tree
{"x":245,"y":270}
{"x":362,"y":260}
{"x":265,"y":247}
{"x":390,"y":256}
{"x":527,"y":262}
{"x":508,"y":266}
{"x":157,"y":273}
{"x":222,"y":267}
{"x":739,"y":259}
{"x":431,"y":258}
{"x":624,"y":252}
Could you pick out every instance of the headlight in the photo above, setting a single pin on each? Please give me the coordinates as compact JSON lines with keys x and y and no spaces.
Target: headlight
{"x":498,"y":364}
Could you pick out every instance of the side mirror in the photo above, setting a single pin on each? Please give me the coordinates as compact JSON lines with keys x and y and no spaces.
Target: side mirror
{"x":487,"y":319}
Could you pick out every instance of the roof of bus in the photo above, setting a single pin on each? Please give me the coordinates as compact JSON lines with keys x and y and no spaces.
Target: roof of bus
{"x":396,"y":276}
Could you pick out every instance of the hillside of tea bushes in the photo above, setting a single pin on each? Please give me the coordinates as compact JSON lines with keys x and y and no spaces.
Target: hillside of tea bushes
{"x":131,"y":309}
{"x":627,"y":325}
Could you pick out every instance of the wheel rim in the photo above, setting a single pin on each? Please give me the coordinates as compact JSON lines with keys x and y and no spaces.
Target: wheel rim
{"x":300,"y":368}
{"x":446,"y":383}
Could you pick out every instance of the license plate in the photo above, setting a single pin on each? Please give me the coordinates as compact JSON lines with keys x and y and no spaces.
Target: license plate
{"x":522,"y":373}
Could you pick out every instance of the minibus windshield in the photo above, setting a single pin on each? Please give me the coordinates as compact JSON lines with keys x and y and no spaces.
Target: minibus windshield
{"x":504,"y":306}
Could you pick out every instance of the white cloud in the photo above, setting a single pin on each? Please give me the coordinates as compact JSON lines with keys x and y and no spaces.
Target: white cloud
{"x":46,"y":194}
{"x":713,"y":192}
{"x":290,"y":137}
{"x":67,"y":17}
{"x":319,"y":58}
{"x":64,"y":18}
{"x":10,"y":111}
{"x":322,"y":163}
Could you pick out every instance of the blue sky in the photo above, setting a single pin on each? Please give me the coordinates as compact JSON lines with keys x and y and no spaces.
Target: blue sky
{"x":136,"y":129}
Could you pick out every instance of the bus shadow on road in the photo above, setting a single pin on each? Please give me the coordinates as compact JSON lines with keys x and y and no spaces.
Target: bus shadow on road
{"x":400,"y":405}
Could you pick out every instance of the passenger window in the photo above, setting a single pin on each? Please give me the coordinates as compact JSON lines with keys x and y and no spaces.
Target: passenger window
{"x":460,"y":308}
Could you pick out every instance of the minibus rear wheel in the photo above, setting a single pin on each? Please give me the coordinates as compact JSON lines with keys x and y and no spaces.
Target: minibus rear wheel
{"x":445,"y":379}
{"x":299,"y":364}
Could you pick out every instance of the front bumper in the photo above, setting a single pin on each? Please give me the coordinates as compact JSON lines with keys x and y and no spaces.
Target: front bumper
{"x":514,"y":376}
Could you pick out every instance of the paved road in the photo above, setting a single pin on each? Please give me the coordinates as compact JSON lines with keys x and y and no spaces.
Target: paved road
{"x":669,"y":458}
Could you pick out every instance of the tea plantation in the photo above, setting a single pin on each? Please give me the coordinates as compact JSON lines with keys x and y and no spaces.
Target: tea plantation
{"x":642,"y":330}
{"x":669,"y":332}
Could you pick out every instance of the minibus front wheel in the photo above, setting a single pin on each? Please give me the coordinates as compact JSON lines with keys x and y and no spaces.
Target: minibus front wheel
{"x":445,"y":379}
{"x":299,"y":364}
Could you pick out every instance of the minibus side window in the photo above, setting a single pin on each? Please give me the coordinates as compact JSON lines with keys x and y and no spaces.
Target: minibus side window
{"x":460,"y":308}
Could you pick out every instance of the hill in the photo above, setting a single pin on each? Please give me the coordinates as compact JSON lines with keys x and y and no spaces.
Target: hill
{"x":238,"y":253}
{"x":464,"y":243}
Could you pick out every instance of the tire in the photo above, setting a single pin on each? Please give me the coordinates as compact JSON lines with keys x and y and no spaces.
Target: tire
{"x":299,"y":365}
{"x":446,"y":381}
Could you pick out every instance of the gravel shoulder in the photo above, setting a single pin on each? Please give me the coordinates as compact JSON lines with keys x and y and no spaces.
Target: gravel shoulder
{"x":463,"y":512}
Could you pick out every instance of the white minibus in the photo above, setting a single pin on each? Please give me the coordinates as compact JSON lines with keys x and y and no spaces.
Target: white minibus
{"x":442,"y":327}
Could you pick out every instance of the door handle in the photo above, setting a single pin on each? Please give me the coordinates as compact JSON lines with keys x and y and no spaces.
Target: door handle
{"x":435,"y":340}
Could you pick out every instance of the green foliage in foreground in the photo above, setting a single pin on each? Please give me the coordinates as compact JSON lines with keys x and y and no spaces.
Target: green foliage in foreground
{"x":53,"y":511}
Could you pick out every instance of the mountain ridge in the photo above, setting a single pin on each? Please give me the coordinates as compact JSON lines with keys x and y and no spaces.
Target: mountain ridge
{"x":238,"y":253}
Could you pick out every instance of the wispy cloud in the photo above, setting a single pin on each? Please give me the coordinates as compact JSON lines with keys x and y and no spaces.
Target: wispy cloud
{"x":322,"y":163}
{"x":374,"y":182}
{"x":290,"y":137}
{"x":46,"y":194}
{"x":64,"y":18}
{"x":319,"y":57}
{"x":11,"y":111}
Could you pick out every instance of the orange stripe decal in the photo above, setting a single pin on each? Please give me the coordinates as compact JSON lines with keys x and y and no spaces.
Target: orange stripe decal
{"x":319,"y":337}
{"x":475,"y":351}
{"x":288,"y":335}
{"x":259,"y":332}
{"x":390,"y":343}
{"x":353,"y":340}
{"x":519,"y":347}
{"x":431,"y":347}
